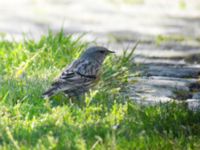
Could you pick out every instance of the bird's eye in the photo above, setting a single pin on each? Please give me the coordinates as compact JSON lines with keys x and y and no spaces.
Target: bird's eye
{"x":102,"y":52}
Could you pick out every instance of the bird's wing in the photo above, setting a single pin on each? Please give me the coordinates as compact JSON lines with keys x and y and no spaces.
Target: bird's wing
{"x":88,"y":69}
{"x":80,"y":72}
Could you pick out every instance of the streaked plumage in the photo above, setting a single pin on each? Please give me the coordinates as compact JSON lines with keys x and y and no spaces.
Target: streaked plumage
{"x":81,"y":75}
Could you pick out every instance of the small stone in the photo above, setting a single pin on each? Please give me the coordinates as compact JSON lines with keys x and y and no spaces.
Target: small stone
{"x":196,"y":96}
{"x":193,"y":104}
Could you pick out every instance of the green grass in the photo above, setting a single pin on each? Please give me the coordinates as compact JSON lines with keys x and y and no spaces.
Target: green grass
{"x":107,"y":119}
{"x":170,"y":38}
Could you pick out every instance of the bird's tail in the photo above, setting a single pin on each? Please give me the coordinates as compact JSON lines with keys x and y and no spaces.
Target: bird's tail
{"x":50,"y":92}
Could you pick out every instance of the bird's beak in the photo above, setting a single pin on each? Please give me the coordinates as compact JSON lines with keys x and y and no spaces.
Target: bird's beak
{"x":109,"y":51}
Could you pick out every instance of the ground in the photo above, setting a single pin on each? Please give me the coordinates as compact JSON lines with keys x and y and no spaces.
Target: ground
{"x":107,"y":119}
{"x":168,"y":31}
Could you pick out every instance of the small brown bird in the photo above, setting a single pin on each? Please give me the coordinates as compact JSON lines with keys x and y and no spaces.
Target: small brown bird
{"x":81,"y":75}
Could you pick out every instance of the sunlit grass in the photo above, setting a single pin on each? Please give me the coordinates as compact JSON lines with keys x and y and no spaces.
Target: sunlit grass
{"x":107,"y":119}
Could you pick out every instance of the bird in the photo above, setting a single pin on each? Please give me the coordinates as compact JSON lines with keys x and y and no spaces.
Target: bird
{"x":81,"y":75}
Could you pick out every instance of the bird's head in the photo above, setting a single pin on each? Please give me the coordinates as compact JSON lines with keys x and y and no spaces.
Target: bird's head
{"x":96,"y":53}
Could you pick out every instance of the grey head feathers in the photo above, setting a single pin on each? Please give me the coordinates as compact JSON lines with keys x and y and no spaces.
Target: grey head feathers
{"x":96,"y":53}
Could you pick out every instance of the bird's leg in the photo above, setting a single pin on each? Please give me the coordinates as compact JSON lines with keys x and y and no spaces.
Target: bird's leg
{"x":80,"y":99}
{"x":75,"y":96}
